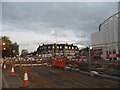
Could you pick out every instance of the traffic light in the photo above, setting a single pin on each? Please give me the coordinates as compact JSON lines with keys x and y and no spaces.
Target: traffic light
{"x":4,"y":46}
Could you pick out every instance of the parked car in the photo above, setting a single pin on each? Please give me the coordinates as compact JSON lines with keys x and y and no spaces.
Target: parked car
{"x":75,"y":69}
{"x":45,"y":64}
{"x":68,"y":68}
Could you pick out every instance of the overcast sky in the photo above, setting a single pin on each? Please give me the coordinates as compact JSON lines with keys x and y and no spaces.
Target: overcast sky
{"x":30,"y":24}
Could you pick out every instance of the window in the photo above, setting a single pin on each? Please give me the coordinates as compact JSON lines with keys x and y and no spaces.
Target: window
{"x":60,"y":47}
{"x":44,"y":47}
{"x":53,"y":47}
{"x":66,"y":47}
{"x":48,"y":47}
{"x":72,"y":47}
{"x":76,"y":48}
{"x":57,"y":47}
{"x":69,"y":47}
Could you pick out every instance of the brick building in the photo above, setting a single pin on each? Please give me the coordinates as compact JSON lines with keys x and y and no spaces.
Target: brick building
{"x":66,"y":50}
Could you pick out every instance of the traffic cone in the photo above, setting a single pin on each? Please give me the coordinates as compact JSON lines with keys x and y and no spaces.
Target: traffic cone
{"x":12,"y":71}
{"x":4,"y":68}
{"x":1,"y":64}
{"x":26,"y":81}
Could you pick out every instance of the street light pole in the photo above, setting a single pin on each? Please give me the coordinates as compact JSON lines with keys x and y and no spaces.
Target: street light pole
{"x":56,"y":44}
{"x":55,"y":47}
{"x":89,"y":61}
{"x":89,"y":54}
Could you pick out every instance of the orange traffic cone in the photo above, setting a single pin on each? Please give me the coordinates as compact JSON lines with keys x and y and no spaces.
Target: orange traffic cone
{"x":26,"y":81}
{"x":4,"y":68}
{"x":12,"y":71}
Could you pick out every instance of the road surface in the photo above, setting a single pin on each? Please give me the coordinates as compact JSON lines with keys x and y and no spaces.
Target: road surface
{"x":48,"y":77}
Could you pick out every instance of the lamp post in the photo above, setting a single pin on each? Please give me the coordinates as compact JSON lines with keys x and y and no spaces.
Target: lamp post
{"x":55,"y":47}
{"x":89,"y":53}
{"x":14,"y":56}
{"x":89,"y":61}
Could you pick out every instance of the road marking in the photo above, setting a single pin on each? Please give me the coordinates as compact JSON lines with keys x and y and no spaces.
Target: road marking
{"x":5,"y":82}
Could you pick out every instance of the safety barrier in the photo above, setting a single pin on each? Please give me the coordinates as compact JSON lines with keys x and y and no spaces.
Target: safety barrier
{"x":28,"y":60}
{"x":79,"y":60}
{"x":107,"y":55}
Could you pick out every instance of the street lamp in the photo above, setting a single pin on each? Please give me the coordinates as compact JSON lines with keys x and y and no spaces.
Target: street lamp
{"x":55,"y":33}
{"x":14,"y":53}
{"x":89,"y":53}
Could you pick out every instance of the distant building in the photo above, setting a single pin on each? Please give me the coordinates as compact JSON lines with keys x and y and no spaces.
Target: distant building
{"x":49,"y":50}
{"x":107,"y":40}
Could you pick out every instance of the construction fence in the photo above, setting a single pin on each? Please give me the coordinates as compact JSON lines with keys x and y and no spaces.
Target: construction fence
{"x":105,"y":58}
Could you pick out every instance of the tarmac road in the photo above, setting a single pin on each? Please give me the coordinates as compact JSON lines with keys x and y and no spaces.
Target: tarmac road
{"x":66,"y":79}
{"x":48,"y":77}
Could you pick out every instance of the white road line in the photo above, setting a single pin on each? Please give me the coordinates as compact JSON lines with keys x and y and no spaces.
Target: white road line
{"x":5,"y":82}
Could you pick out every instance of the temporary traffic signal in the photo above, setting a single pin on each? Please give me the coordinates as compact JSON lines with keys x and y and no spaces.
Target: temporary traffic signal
{"x":4,"y":46}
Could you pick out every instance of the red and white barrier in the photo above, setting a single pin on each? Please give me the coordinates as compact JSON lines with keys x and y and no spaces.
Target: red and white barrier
{"x":27,"y":59}
{"x":107,"y":55}
{"x":78,"y":60}
{"x":112,"y":55}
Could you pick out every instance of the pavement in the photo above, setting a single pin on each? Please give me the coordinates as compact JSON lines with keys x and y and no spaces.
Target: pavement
{"x":48,"y":77}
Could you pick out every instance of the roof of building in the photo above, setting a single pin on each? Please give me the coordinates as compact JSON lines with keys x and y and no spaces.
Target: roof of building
{"x":109,"y":18}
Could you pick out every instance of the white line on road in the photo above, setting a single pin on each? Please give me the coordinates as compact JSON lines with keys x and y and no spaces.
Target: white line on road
{"x":6,"y":84}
